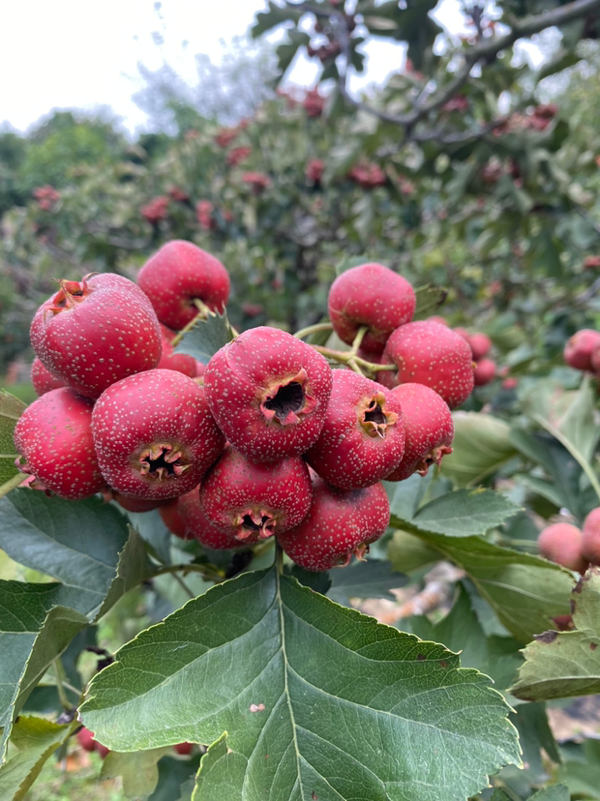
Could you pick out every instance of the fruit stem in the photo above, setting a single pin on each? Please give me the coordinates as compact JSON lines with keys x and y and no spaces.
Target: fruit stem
{"x":279,"y":558}
{"x":190,"y":567}
{"x":313,"y":329}
{"x":60,"y":676}
{"x":12,"y":484}
{"x":356,"y":342}
{"x":352,"y":360}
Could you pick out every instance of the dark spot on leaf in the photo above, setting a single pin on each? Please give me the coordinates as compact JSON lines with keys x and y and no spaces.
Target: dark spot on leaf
{"x":421,"y":657}
{"x":444,"y":664}
{"x":573,"y":606}
{"x":593,"y":645}
{"x":547,"y":637}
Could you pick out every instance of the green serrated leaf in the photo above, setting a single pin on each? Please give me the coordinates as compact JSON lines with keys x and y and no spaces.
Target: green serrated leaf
{"x":138,"y":770}
{"x":11,"y":409}
{"x":37,"y":739}
{"x":370,"y":579}
{"x":558,"y":792}
{"x":317,"y":699}
{"x":579,"y":424}
{"x":132,"y":569}
{"x":524,"y":591}
{"x":34,"y":629}
{"x":429,"y":299}
{"x":276,"y":15}
{"x":206,"y":337}
{"x":566,"y":664}
{"x":75,"y":542}
{"x":480,"y":446}
{"x":462,"y":513}
{"x":408,"y":552}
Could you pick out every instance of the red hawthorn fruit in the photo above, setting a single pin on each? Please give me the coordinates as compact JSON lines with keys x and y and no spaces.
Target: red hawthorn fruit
{"x":96,"y":331}
{"x":580,"y":347}
{"x":371,"y":295}
{"x":591,"y":262}
{"x":252,"y":501}
{"x":43,"y":380}
{"x":314,"y":171}
{"x":561,"y":543}
{"x":170,"y":360}
{"x":155,"y":210}
{"x":431,"y":354}
{"x":86,"y":740}
{"x":510,"y":383}
{"x":137,"y":505}
{"x":340,"y":523}
{"x":204,"y":210}
{"x":238,"y":154}
{"x":185,"y":518}
{"x":546,"y":110}
{"x":564,"y":622}
{"x":179,"y":273}
{"x":480,"y":345}
{"x":362,"y":439}
{"x":485,"y":371}
{"x":268,"y":392}
{"x":428,"y":427}
{"x":314,"y":103}
{"x":154,"y":435}
{"x":258,"y":181}
{"x":102,"y":750}
{"x":590,"y":542}
{"x":437,"y":319}
{"x":178,"y":195}
{"x":185,"y":749}
{"x":462,"y":332}
{"x":54,"y":437}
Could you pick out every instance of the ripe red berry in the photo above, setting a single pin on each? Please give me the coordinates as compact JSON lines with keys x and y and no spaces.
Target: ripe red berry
{"x":102,"y":750}
{"x":43,"y":380}
{"x":580,"y":347}
{"x":54,"y":436}
{"x":251,"y":501}
{"x":428,"y":427}
{"x":86,"y":740}
{"x":185,"y":518}
{"x":371,"y":295}
{"x":268,"y":392}
{"x":480,"y":344}
{"x":590,"y":542}
{"x":561,"y":543}
{"x":179,"y":273}
{"x":184,"y":748}
{"x":431,"y":354}
{"x":170,"y":360}
{"x":362,"y":439}
{"x":154,"y":435}
{"x":485,"y":371}
{"x":96,"y":331}
{"x":340,"y":523}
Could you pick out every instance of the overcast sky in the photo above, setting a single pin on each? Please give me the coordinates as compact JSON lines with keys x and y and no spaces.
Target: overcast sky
{"x":83,"y":54}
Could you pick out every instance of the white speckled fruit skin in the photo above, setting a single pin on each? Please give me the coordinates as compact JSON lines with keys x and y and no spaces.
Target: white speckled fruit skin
{"x":111,"y":334}
{"x":179,"y":272}
{"x":345,"y":455}
{"x":185,"y":518}
{"x":427,"y":423}
{"x":431,"y":354}
{"x":282,"y":489}
{"x":54,"y":436}
{"x":237,"y":377}
{"x":156,"y":406}
{"x":371,"y":295}
{"x":338,"y":522}
{"x":43,"y":380}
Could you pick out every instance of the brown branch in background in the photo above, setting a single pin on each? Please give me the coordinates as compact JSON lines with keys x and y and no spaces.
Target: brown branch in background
{"x":484,"y":50}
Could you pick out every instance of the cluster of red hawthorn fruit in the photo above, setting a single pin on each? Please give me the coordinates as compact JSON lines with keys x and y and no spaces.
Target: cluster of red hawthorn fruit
{"x":266,"y":440}
{"x":88,"y":742}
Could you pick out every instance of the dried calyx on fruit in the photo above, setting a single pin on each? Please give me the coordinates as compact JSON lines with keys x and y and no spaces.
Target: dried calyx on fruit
{"x":96,"y":331}
{"x":250,"y":501}
{"x":154,"y":434}
{"x":362,"y":438}
{"x":268,"y":392}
